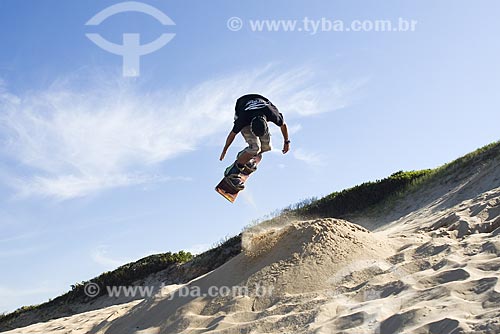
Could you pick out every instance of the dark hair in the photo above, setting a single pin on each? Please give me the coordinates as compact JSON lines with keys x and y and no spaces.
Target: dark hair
{"x":259,"y":126}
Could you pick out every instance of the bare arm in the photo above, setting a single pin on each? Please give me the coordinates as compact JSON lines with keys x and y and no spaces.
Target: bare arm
{"x":229,"y":141}
{"x":286,"y":142}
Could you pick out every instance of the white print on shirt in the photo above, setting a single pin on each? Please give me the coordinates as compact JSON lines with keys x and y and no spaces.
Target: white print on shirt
{"x":256,"y":104}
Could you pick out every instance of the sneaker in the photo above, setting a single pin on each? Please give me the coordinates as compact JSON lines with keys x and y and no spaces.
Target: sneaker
{"x":249,"y":167}
{"x":235,"y":182}
{"x":232,"y":170}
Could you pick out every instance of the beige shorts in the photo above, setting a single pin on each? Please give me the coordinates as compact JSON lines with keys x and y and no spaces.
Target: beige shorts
{"x":256,"y":144}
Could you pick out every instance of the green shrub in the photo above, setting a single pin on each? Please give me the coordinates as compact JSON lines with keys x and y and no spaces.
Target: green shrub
{"x":123,"y":276}
{"x":131,"y":272}
{"x":359,"y":197}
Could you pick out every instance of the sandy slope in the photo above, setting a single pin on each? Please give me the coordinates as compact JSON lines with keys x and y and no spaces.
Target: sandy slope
{"x":298,"y":263}
{"x":431,"y":267}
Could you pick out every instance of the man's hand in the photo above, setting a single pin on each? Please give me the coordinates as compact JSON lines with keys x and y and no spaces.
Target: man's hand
{"x":223,"y":154}
{"x":286,"y":147}
{"x":286,"y":141}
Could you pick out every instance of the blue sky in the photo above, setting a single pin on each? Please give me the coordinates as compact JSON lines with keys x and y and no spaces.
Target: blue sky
{"x":98,"y":169}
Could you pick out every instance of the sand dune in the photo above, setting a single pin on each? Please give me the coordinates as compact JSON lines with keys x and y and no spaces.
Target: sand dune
{"x":432,"y":267}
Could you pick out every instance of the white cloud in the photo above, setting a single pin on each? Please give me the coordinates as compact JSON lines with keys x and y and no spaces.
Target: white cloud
{"x":310,"y":158}
{"x":70,"y":186}
{"x":29,"y":235}
{"x":72,"y":140}
{"x":10,"y":292}
{"x":5,"y":95}
{"x":198,"y":248}
{"x":11,"y":253}
{"x":101,"y":257}
{"x":13,"y":297}
{"x":293,"y":129}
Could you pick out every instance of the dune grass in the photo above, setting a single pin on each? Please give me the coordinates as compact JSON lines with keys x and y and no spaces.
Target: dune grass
{"x":122,"y":276}
{"x":372,"y":194}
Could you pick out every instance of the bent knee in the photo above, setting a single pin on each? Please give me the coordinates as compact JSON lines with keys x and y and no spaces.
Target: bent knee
{"x":265,"y":148}
{"x":254,"y":149}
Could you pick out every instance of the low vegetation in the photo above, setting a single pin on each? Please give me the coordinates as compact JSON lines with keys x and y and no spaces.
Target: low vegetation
{"x":123,"y":276}
{"x":357,"y":198}
{"x":370,"y":194}
{"x":129,"y":273}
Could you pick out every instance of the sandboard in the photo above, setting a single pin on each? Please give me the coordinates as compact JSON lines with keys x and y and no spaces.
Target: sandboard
{"x":227,"y":190}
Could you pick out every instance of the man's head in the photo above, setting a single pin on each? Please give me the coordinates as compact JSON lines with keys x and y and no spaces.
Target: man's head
{"x":258,"y":126}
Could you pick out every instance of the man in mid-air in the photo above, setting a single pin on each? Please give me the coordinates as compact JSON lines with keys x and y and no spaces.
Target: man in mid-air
{"x":252,"y":112}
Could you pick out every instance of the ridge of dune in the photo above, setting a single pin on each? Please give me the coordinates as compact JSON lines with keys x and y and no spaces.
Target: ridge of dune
{"x":422,"y":275}
{"x":300,"y":260}
{"x":431,"y":266}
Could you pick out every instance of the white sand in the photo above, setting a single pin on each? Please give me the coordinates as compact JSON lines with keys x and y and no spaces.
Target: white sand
{"x":435,"y":270}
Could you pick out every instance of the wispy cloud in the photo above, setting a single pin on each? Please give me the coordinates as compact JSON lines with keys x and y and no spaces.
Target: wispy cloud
{"x":10,"y":292}
{"x":24,"y":236}
{"x":293,"y":129}
{"x":11,"y":253}
{"x":72,"y":140}
{"x":13,"y":297}
{"x":198,"y":248}
{"x":101,"y":257}
{"x":311,"y":158}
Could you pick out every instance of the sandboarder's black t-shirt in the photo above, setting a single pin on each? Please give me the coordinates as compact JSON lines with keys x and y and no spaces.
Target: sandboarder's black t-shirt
{"x":252,"y":105}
